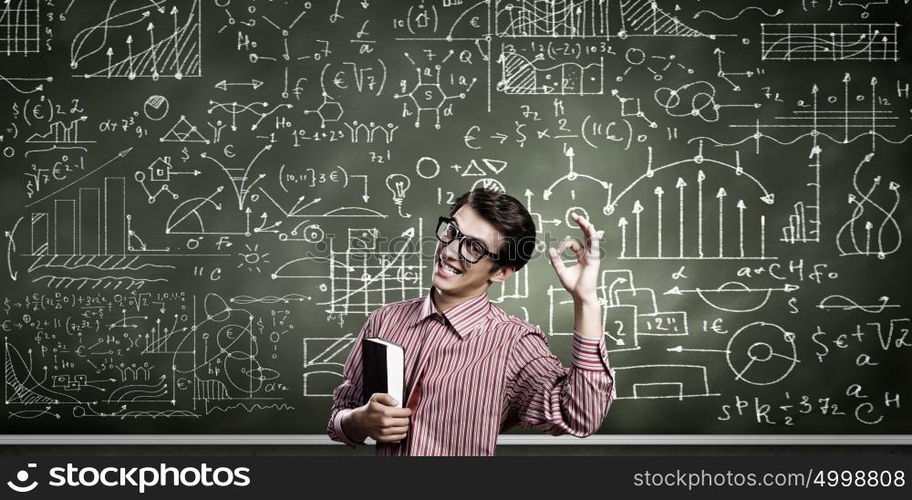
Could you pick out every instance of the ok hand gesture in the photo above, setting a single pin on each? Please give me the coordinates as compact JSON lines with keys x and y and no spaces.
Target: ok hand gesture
{"x":580,"y":280}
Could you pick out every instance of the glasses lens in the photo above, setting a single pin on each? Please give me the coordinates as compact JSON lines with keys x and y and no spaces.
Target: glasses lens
{"x":446,"y":232}
{"x":473,"y":250}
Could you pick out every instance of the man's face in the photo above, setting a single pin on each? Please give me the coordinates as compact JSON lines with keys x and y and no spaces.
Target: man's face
{"x":470,"y":279}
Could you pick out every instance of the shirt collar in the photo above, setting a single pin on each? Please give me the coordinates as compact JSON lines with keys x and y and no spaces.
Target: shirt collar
{"x":463,"y":317}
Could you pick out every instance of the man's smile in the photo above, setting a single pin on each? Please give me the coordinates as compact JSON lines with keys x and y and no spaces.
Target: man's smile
{"x":445,"y":269}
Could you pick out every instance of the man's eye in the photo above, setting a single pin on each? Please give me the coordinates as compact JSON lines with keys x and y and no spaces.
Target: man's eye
{"x":476,"y":247}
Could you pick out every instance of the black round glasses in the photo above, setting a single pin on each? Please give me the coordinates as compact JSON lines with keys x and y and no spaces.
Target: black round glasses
{"x":471,"y":249}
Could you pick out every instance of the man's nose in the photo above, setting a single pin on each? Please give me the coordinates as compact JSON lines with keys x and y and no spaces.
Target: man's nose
{"x":450,"y":250}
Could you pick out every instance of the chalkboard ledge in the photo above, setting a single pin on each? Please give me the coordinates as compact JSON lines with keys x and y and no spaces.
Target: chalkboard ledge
{"x":505,"y":440}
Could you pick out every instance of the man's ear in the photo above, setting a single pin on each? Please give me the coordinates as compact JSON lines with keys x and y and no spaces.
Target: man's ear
{"x":502,"y":274}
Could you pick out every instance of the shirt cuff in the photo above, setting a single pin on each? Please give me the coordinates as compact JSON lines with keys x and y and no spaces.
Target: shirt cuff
{"x":590,"y":354}
{"x":337,"y":427}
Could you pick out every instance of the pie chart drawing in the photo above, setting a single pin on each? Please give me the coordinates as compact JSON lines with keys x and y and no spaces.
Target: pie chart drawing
{"x":156,"y":107}
{"x":761,"y":353}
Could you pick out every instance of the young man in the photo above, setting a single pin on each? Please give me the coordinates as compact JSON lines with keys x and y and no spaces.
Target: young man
{"x":473,"y":370}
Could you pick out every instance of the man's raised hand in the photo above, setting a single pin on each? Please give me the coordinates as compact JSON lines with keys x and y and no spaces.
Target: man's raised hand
{"x":580,"y":280}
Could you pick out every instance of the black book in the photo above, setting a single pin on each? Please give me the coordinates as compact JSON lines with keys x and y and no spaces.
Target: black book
{"x":383,"y":369}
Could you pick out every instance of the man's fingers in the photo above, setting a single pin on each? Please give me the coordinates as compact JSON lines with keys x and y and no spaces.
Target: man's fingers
{"x":384,"y":399}
{"x":399,"y":412}
{"x":556,"y":261}
{"x":592,"y":235}
{"x":572,"y":244}
{"x":391,"y":439}
{"x":394,"y":431}
{"x":396,"y":422}
{"x":585,"y":225}
{"x":567,"y":242}
{"x":581,"y":222}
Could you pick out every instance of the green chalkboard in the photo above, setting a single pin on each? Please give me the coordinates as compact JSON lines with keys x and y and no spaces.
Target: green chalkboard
{"x":204,"y":200}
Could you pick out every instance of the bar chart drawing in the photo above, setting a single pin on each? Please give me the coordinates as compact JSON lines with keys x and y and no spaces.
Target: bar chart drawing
{"x":61,"y":132}
{"x":96,"y":228}
{"x":84,"y":242}
{"x":804,"y":222}
{"x":674,"y":212}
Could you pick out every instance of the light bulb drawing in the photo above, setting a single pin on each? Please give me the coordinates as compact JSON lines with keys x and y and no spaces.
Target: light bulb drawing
{"x":398,"y":184}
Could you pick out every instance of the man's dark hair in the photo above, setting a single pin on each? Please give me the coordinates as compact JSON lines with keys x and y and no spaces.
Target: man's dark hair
{"x":510,"y":218}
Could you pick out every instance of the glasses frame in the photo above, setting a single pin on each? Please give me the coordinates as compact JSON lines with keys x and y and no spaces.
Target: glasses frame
{"x":462,"y":239}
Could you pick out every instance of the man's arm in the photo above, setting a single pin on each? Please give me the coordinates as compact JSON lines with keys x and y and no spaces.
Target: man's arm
{"x":348,"y":395}
{"x":544,"y":394}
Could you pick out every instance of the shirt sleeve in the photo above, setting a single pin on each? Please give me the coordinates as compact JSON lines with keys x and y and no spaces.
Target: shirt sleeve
{"x":348,"y":395}
{"x":546,"y":395}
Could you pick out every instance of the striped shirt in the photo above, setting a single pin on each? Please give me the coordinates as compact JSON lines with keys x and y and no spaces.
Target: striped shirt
{"x":481,"y":371}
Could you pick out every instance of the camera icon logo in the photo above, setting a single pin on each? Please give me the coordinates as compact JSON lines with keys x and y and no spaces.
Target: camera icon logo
{"x":20,"y":486}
